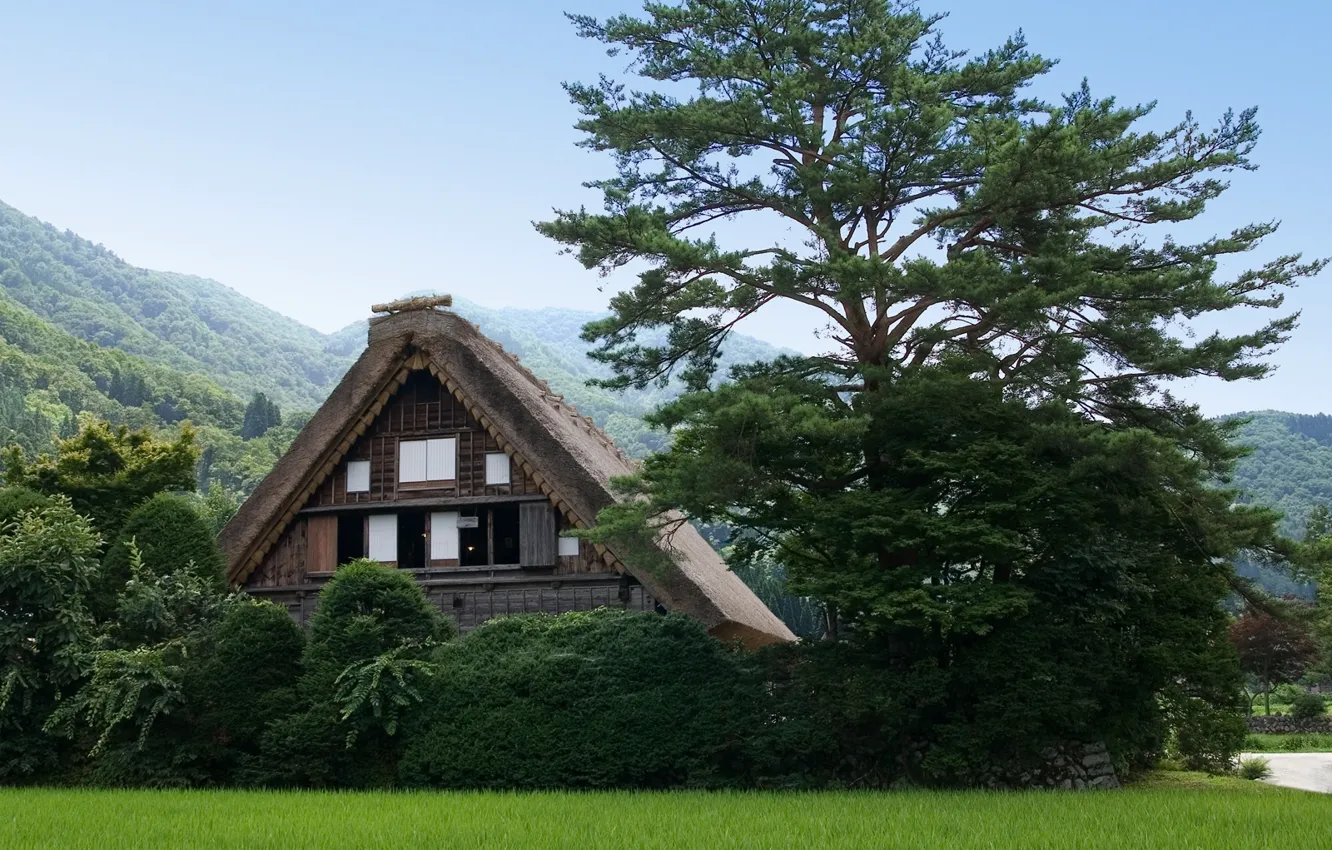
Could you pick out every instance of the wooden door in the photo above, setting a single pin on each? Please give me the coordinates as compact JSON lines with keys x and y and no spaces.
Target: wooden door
{"x":321,"y":544}
{"x":536,"y":534}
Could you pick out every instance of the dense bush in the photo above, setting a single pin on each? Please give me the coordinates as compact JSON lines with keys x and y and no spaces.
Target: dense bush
{"x":14,"y":500}
{"x":172,"y":536}
{"x":838,"y":715}
{"x":1308,"y":705}
{"x":242,"y":677}
{"x":599,"y":699}
{"x":366,"y":611}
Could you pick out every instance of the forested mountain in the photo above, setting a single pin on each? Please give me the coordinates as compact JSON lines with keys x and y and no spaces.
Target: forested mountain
{"x":82,"y":330}
{"x":186,"y":323}
{"x":1290,"y":468}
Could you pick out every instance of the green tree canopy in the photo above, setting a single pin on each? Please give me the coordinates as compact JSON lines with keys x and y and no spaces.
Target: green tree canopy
{"x":170,"y":535}
{"x":985,"y":473}
{"x":48,"y":557}
{"x":106,"y":470}
{"x":260,"y":415}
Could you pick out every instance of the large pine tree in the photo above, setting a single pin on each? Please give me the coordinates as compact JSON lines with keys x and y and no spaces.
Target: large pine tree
{"x":985,"y":473}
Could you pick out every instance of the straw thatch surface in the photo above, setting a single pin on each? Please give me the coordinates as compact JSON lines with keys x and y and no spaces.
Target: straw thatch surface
{"x":574,"y":459}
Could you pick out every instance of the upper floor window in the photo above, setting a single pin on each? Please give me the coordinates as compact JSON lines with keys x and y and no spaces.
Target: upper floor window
{"x":358,"y":476}
{"x":497,"y":468}
{"x":433,"y":461}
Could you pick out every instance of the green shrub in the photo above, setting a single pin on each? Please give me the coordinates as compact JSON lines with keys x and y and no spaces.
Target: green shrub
{"x":1308,"y":705}
{"x":836,"y":714}
{"x":1206,"y":737}
{"x":1294,"y":743}
{"x":598,"y":699}
{"x":1254,"y":767}
{"x":171,"y":536}
{"x":240,"y":678}
{"x":14,"y":500}
{"x":365,"y":611}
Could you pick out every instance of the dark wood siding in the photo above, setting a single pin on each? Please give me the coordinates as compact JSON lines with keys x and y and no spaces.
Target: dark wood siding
{"x":536,"y":534}
{"x":471,"y":602}
{"x":285,"y":562}
{"x":420,"y":409}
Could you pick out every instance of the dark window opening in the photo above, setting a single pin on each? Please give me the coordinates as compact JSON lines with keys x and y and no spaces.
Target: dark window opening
{"x":351,"y":537}
{"x":504,"y":524}
{"x":472,"y":548}
{"x":423,"y":387}
{"x":412,"y":540}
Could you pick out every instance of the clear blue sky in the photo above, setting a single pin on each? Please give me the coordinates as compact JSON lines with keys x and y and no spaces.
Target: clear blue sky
{"x":321,"y":156}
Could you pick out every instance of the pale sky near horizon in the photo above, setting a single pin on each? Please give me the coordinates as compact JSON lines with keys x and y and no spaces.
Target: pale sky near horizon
{"x":318,"y":157}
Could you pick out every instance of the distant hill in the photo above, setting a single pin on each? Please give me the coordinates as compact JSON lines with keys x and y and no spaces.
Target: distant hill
{"x":182,"y":322}
{"x":204,"y":349}
{"x":1290,"y":469}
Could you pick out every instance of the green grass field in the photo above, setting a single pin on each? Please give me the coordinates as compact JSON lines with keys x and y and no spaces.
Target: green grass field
{"x":1174,"y":811}
{"x":1262,"y":742}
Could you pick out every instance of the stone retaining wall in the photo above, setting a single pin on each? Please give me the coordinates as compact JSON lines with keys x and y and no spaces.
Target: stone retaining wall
{"x":1073,"y":766}
{"x":1281,"y":725}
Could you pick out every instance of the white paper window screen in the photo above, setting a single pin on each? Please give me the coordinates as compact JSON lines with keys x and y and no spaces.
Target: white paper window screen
{"x":568,"y":546}
{"x":358,"y":476}
{"x":497,"y":468}
{"x":384,"y":537}
{"x":441,"y":459}
{"x":412,"y":461}
{"x":427,"y":460}
{"x":444,"y":536}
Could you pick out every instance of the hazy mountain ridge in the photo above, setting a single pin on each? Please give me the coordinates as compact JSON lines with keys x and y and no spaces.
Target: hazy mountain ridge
{"x":187,"y":323}
{"x":201,"y":330}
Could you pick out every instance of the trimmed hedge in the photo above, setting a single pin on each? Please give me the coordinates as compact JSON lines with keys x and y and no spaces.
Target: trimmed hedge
{"x":598,"y":699}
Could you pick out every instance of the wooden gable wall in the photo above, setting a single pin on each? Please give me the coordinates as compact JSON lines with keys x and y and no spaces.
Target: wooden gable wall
{"x":422,"y":408}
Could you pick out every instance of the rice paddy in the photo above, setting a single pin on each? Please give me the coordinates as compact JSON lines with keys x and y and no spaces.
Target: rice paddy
{"x":1165,"y":814}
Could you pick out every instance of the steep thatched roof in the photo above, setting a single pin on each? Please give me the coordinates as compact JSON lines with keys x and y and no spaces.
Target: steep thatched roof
{"x":566,"y":453}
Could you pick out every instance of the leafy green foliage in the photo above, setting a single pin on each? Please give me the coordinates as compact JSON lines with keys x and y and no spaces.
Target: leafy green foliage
{"x":47,"y":563}
{"x":173,"y":538}
{"x":382,"y":688}
{"x":241,"y":677}
{"x":1308,"y":704}
{"x":16,"y":500}
{"x":599,"y":699}
{"x":157,"y":605}
{"x":371,"y":619}
{"x":106,"y":471}
{"x":126,"y":687}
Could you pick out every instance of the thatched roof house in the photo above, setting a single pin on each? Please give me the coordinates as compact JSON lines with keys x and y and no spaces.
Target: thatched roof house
{"x":442,"y":454}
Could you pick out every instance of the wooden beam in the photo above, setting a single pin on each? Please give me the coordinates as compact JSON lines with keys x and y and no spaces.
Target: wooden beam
{"x":434,"y":502}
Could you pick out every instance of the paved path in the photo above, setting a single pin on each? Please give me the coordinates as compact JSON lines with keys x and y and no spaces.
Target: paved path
{"x":1306,"y":771}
